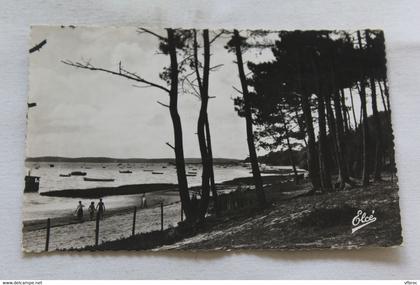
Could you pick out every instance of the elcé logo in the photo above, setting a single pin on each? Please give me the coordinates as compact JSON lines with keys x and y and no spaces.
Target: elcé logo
{"x":361,"y":220}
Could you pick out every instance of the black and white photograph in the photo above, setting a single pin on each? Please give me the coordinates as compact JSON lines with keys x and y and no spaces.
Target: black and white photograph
{"x":163,"y":139}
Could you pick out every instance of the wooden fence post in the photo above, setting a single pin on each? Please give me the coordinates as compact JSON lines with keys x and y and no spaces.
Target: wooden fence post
{"x":97,"y":229}
{"x":134,"y":221}
{"x":47,"y":241}
{"x":161,"y":216}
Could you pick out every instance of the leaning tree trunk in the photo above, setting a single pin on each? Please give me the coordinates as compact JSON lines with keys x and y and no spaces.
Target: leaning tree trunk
{"x":312,"y":151}
{"x":365,"y":128}
{"x":352,"y":109}
{"x":344,"y":110}
{"x":248,"y":118}
{"x":383,"y":98}
{"x":331,"y":128}
{"x":292,"y":160}
{"x":289,"y":147}
{"x":392,"y":149}
{"x":202,"y":120}
{"x":176,"y":121}
{"x":343,"y":171}
{"x":323,"y":153}
{"x":210,"y":158}
{"x":324,"y":163}
{"x":378,"y":146}
{"x":365,"y":132}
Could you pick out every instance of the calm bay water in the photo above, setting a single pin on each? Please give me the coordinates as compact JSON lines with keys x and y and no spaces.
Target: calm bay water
{"x":40,"y":207}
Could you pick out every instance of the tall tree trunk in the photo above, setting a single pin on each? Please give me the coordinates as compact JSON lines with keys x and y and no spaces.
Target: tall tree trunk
{"x":392,"y":149}
{"x":323,"y":153}
{"x":312,"y":151}
{"x":176,"y":121}
{"x":365,"y":127}
{"x":341,"y":149}
{"x":331,"y":127}
{"x":352,"y":109}
{"x":301,"y":126}
{"x":383,"y":97}
{"x":212,"y":183}
{"x":202,"y":126}
{"x":324,"y":161}
{"x":378,"y":145}
{"x":387,"y":97}
{"x":248,"y":118}
{"x":289,"y":148}
{"x":343,"y":169}
{"x":292,"y":160}
{"x":344,"y":110}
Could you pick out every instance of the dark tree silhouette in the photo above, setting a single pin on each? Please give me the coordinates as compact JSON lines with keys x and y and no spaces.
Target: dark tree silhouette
{"x":236,"y":44}
{"x":168,"y":45}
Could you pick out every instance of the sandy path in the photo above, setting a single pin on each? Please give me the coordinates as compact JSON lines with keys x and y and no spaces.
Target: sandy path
{"x":111,"y":228}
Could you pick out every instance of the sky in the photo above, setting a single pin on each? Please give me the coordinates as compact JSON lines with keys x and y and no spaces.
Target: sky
{"x":90,"y":113}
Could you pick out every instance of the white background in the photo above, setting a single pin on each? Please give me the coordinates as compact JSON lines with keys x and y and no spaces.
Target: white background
{"x":399,"y":19}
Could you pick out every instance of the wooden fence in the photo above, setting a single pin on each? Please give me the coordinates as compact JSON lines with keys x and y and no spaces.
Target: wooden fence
{"x":226,"y":202}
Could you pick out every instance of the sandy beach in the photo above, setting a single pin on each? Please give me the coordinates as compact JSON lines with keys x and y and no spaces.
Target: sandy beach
{"x":115,"y":225}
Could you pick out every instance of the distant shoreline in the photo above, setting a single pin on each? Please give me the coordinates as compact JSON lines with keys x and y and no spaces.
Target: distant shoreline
{"x":132,"y":189}
{"x":126,"y":160}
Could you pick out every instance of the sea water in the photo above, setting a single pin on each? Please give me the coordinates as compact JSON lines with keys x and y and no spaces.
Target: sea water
{"x":36,"y":206}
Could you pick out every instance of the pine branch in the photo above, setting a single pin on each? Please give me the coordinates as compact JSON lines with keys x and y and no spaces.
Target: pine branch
{"x":122,"y":72}
{"x":164,"y":105}
{"x":168,"y":144}
{"x":141,"y":30}
{"x":218,"y":35}
{"x":237,"y":90}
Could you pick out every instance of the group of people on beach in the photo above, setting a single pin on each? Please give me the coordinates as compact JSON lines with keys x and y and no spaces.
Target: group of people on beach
{"x":99,"y":210}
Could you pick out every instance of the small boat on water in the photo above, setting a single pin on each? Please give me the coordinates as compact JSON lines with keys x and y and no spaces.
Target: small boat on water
{"x":78,"y":173}
{"x":148,"y":170}
{"x":51,"y":165}
{"x":65,"y":175}
{"x":155,"y":172}
{"x":163,"y":166}
{"x":126,"y":171}
{"x":98,"y":179}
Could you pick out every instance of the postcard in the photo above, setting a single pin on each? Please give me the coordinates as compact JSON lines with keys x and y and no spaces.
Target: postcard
{"x":197,"y":139}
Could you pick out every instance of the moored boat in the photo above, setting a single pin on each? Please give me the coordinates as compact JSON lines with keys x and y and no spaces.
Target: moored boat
{"x":98,"y":179}
{"x":31,"y":184}
{"x":78,"y":173}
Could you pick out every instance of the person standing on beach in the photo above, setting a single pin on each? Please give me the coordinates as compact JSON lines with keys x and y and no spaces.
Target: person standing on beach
{"x":79,"y":211}
{"x":143,"y":202}
{"x":92,"y":210}
{"x":101,"y":209}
